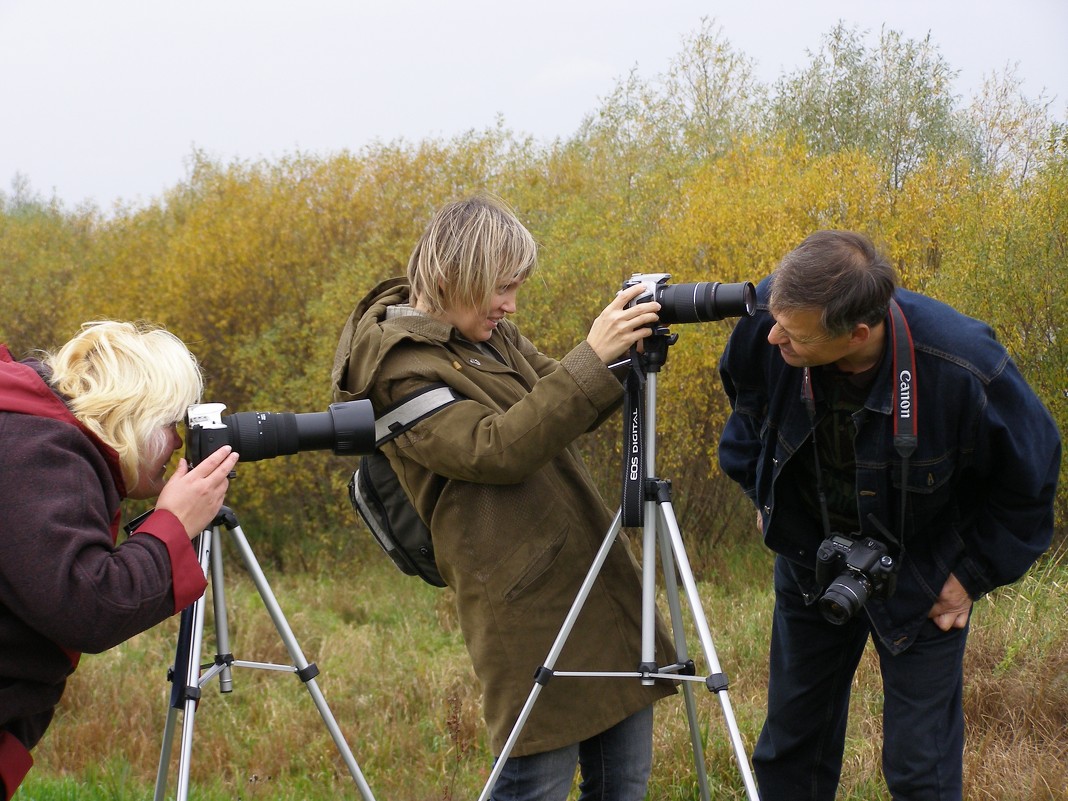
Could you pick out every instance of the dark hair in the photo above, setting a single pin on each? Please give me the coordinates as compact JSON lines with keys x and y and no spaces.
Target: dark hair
{"x":840,"y":273}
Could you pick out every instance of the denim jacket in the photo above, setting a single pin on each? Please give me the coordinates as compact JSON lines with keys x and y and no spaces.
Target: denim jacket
{"x":980,"y":484}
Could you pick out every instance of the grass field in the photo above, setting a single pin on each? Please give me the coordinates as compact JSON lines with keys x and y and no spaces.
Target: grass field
{"x":398,"y":681}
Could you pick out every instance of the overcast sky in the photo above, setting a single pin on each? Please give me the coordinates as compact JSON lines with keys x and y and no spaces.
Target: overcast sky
{"x":104,"y":100}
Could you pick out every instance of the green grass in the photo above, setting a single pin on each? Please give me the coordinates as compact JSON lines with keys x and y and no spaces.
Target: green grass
{"x":399,"y":683}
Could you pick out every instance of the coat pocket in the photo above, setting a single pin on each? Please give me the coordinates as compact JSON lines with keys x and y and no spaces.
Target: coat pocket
{"x":532,"y":566}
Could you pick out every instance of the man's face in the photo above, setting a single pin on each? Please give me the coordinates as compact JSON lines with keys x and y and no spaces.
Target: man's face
{"x":803,"y":341}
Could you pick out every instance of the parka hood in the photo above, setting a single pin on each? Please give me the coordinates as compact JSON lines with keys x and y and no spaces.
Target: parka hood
{"x":364,"y":341}
{"x":24,"y":390}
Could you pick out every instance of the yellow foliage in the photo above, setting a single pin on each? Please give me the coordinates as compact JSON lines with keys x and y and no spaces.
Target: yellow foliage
{"x":256,"y":266}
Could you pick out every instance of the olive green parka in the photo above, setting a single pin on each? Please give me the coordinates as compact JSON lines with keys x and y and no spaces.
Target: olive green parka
{"x":515,"y":517}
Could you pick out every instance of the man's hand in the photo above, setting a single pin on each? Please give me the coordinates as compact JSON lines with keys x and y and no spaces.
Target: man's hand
{"x":953,"y":606}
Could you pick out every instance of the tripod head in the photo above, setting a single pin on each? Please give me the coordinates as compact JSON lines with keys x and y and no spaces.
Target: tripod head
{"x":655,"y":349}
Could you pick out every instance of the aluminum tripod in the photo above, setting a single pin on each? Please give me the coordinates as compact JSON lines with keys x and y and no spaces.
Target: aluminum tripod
{"x":186,"y":676}
{"x":660,"y":526}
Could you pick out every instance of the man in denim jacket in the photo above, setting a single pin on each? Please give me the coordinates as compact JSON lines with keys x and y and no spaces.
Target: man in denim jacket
{"x":817,"y":387}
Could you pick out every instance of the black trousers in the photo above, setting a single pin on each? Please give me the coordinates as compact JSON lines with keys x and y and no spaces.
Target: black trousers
{"x":798,"y":756}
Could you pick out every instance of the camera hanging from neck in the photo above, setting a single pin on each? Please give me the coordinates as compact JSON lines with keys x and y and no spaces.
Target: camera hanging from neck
{"x":905,"y":430}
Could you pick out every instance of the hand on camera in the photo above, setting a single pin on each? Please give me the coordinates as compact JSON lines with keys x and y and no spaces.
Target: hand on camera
{"x":618,"y":327}
{"x":195,"y":496}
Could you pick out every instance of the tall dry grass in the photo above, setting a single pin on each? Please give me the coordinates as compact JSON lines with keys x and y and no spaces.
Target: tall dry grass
{"x":397,"y":678}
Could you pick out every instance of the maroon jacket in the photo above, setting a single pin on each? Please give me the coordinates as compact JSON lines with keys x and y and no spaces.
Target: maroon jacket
{"x":65,"y":588}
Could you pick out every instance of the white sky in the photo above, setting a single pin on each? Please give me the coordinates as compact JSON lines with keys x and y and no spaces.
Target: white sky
{"x":106,"y":99}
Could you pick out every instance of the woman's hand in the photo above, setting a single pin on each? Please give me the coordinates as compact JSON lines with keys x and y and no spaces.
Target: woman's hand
{"x":195,"y":496}
{"x":617,"y":328}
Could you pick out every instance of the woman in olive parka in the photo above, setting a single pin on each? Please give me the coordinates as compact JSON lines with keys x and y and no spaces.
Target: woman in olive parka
{"x":515,"y":517}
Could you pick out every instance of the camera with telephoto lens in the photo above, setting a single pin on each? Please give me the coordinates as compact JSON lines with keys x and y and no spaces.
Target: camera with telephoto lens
{"x":701,"y":302}
{"x":853,"y":569}
{"x":345,"y":428}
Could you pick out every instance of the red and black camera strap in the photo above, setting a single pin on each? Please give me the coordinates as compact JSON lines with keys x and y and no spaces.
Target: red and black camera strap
{"x":903,"y":401}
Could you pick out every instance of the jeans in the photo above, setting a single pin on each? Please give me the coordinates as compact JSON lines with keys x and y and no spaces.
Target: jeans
{"x":798,"y":756}
{"x":614,"y":766}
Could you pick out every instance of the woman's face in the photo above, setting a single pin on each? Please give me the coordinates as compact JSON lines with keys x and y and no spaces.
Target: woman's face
{"x":476,"y":325}
{"x":150,"y":478}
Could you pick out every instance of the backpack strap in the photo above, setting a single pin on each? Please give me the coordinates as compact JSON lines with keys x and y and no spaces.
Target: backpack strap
{"x":408,"y":411}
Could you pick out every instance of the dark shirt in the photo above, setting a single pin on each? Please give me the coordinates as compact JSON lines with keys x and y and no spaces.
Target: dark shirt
{"x":839,"y":396}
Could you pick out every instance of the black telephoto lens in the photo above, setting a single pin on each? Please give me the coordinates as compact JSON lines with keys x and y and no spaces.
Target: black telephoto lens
{"x":345,"y":428}
{"x":706,"y":301}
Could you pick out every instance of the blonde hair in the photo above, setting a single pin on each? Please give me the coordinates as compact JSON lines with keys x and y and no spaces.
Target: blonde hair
{"x":469,"y":247}
{"x":126,"y":382}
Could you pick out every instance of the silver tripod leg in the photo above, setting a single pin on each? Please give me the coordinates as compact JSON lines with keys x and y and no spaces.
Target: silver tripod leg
{"x":658,"y":510}
{"x":671,"y":590}
{"x":545,"y":672}
{"x":222,"y":620}
{"x":300,"y":662}
{"x":671,"y":544}
{"x":194,"y":680}
{"x":671,"y":526}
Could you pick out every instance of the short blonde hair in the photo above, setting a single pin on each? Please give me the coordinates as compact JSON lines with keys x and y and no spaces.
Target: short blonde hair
{"x":469,"y":247}
{"x":125,"y":382}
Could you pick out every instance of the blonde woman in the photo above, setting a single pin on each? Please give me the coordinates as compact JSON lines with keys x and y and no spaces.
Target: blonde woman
{"x":514,"y":514}
{"x":80,"y":430}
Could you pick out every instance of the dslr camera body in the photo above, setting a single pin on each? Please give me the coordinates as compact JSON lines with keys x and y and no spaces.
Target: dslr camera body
{"x":852,"y":569}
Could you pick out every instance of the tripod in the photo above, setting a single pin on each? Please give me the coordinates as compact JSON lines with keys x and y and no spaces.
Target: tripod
{"x":659,"y":526}
{"x":186,"y":678}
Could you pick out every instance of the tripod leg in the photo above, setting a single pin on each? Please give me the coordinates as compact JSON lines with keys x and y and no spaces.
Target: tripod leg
{"x":165,"y":753}
{"x":186,"y":665}
{"x":671,"y":590}
{"x":178,"y":672}
{"x":185,"y":676}
{"x":671,"y":526}
{"x":222,"y":627}
{"x":192,"y":678}
{"x":304,"y":669}
{"x":648,"y":657}
{"x":544,"y":673}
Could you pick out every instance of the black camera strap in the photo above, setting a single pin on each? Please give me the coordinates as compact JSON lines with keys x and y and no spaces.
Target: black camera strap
{"x":808,"y":398}
{"x":905,"y":430}
{"x":632,"y":506}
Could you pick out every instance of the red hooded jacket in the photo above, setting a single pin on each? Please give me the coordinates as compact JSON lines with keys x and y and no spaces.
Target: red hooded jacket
{"x":65,"y":587}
